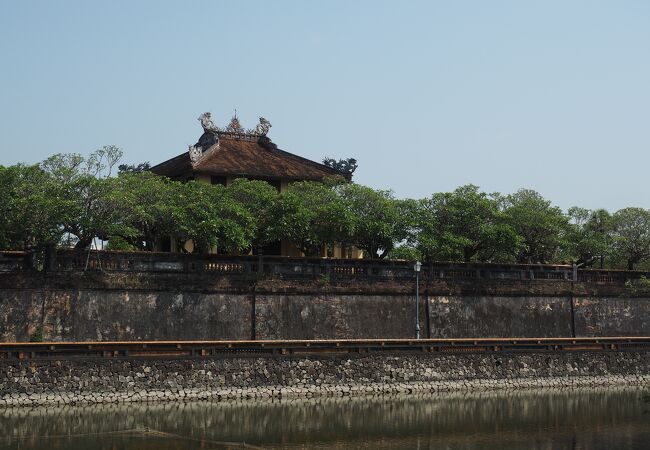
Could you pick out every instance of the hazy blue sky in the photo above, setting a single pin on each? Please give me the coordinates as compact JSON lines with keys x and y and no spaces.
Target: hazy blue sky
{"x":549,"y":95}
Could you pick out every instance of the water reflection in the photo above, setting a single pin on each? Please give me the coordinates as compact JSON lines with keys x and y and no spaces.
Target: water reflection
{"x":580,"y":419}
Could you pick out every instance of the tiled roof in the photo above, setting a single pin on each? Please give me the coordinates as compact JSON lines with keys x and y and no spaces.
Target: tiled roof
{"x":247,"y":156}
{"x":176,"y":166}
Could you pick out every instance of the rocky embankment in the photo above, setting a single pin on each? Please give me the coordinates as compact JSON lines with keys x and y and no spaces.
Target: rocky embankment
{"x":137,"y":380}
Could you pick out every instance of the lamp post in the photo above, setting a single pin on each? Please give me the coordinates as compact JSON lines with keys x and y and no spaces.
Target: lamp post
{"x":416,"y":268}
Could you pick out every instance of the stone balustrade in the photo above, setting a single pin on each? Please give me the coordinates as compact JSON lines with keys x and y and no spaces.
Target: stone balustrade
{"x":292,"y":267}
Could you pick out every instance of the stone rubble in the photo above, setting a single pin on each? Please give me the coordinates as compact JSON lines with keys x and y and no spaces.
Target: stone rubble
{"x":44,"y":382}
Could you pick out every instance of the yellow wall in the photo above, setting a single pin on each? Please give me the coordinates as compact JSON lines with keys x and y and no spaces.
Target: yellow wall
{"x":288,"y":249}
{"x":203,"y":177}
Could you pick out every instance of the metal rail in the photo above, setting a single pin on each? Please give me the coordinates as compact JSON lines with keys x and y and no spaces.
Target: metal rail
{"x":197,"y":349}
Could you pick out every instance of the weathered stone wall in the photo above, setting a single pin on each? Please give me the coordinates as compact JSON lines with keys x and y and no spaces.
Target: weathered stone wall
{"x":498,"y":316}
{"x":96,"y":315}
{"x":304,"y":316}
{"x":610,"y":316}
{"x":106,"y":380}
{"x":94,"y":306}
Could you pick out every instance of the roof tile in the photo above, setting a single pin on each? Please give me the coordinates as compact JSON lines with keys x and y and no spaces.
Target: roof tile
{"x":247,"y":156}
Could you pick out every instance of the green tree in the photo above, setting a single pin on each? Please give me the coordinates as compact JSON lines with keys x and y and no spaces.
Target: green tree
{"x":154,"y":207}
{"x":311,"y":214}
{"x":588,"y":236}
{"x":213,"y":218}
{"x":631,"y":235}
{"x":600,"y":224}
{"x":463,"y":225}
{"x":134,"y":168}
{"x":149,"y":207}
{"x":7,"y":180}
{"x":405,"y":252}
{"x":377,"y":221}
{"x":259,"y":199}
{"x":83,"y":182}
{"x":541,"y":225}
{"x":31,"y":212}
{"x":348,"y":165}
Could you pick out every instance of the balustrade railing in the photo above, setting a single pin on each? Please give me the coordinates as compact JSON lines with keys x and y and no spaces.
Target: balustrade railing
{"x":68,"y":260}
{"x":13,"y":261}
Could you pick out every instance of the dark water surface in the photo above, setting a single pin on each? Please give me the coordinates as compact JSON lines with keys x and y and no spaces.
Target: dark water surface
{"x":549,"y":420}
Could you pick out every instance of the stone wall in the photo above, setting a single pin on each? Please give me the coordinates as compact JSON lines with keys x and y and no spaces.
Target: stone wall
{"x":499,"y":316}
{"x":127,"y":380}
{"x":97,"y":315}
{"x":611,"y":316}
{"x":305,"y":316}
{"x":70,"y":306}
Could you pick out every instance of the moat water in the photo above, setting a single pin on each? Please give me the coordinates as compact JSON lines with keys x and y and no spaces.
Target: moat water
{"x":580,"y":419}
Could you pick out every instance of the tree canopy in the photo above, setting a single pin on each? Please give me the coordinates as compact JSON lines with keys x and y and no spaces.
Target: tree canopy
{"x":588,"y":237}
{"x":376,"y":222}
{"x":260,"y":200}
{"x":540,"y":225}
{"x":311,"y":215}
{"x":348,"y":165}
{"x":32,"y":213}
{"x":631,"y":235}
{"x":70,"y":201}
{"x":83,"y":183}
{"x":463,"y":225}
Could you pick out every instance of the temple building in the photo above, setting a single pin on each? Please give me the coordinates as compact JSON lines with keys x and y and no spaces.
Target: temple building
{"x":224,"y":154}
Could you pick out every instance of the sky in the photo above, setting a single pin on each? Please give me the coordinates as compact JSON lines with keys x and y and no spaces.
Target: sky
{"x":427,"y":95}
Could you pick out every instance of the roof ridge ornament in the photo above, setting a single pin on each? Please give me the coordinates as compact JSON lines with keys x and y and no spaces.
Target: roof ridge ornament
{"x":234,"y":127}
{"x":207,"y":123}
{"x":263,"y":127}
{"x":196,"y":152}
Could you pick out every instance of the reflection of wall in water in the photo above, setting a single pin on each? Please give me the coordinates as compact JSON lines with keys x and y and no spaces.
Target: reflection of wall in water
{"x":447,"y":417}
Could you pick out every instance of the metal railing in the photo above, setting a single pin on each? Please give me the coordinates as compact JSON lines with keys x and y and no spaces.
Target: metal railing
{"x":185,"y":349}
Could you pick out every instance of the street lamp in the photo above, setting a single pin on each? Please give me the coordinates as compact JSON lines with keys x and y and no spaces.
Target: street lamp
{"x":416,"y":268}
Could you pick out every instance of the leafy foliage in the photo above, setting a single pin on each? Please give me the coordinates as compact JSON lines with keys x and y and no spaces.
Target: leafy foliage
{"x":348,"y":165}
{"x":32,"y":213}
{"x":212,"y":218}
{"x":134,"y":168}
{"x":588,"y":236}
{"x":405,"y":252}
{"x":463,"y":225}
{"x":152,"y":207}
{"x":631,"y":235}
{"x":83,"y":182}
{"x":312,"y":214}
{"x":541,"y":226}
{"x":260,"y":200}
{"x":377,"y":223}
{"x":70,"y":200}
{"x":149,"y":207}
